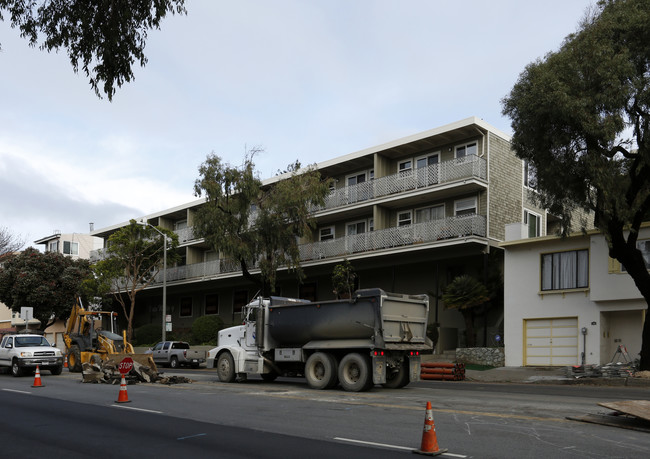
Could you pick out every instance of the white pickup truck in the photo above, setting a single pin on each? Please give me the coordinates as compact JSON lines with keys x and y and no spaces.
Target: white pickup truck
{"x":25,"y":352}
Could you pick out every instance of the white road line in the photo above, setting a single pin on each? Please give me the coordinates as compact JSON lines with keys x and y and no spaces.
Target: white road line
{"x":191,"y":436}
{"x":371,"y":443}
{"x":137,"y":409}
{"x":19,"y":391}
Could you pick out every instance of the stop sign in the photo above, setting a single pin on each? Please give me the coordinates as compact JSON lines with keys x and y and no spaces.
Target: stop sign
{"x":125,"y":365}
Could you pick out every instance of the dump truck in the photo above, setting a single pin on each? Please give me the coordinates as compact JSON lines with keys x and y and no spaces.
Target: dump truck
{"x":91,"y":338}
{"x":375,"y":337}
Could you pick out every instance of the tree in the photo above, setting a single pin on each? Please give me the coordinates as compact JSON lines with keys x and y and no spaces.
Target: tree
{"x":9,"y":242}
{"x":343,"y":279}
{"x":581,"y":117}
{"x":47,"y":282}
{"x":257,"y":226}
{"x":105,"y":38}
{"x":134,"y":258}
{"x":465,"y":294}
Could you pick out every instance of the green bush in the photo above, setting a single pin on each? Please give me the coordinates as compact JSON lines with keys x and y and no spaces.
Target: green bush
{"x":205,"y":330}
{"x":147,"y":335}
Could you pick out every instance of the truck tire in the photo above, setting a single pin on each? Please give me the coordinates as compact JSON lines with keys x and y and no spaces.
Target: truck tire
{"x":74,"y":359}
{"x":354,"y":372}
{"x":173,"y":362}
{"x":320,"y":371}
{"x":270,"y":377}
{"x":226,"y":368}
{"x":15,"y":369}
{"x":398,"y":379}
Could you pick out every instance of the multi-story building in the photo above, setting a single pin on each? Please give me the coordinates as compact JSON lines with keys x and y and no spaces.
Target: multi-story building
{"x":75,"y":245}
{"x":409,"y":215}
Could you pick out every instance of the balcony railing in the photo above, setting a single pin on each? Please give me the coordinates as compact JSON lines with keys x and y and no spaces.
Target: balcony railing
{"x":429,"y":232}
{"x":434,"y":174}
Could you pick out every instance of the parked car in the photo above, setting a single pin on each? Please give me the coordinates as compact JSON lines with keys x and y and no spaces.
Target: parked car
{"x":175,"y":354}
{"x":25,"y":352}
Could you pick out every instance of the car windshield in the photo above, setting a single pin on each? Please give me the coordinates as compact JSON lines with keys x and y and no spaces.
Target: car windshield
{"x":28,"y":341}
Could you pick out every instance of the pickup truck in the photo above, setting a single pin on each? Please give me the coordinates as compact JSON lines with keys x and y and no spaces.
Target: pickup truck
{"x":175,"y":354}
{"x":25,"y":352}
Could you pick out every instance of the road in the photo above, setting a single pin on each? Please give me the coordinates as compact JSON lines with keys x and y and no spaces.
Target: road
{"x":286,"y":419}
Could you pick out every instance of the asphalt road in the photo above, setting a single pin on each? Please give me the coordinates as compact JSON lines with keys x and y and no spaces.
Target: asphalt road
{"x":286,"y":419}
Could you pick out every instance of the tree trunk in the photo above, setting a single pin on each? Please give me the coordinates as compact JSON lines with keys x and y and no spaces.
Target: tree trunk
{"x":470,"y":338}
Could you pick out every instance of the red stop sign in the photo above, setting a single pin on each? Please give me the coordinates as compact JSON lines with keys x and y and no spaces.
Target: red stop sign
{"x":125,"y":365}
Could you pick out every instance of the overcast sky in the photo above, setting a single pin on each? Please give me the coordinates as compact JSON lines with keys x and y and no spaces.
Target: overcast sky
{"x":304,"y":79}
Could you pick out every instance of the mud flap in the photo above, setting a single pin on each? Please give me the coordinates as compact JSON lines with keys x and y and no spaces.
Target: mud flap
{"x":378,"y":369}
{"x":414,"y":367}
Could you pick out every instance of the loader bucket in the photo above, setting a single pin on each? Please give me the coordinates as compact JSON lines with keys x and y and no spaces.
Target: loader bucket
{"x":145,"y":360}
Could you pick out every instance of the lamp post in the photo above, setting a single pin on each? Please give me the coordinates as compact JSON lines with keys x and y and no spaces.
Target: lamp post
{"x":164,"y":298}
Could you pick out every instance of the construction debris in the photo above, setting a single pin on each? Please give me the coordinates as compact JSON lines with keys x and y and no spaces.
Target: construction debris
{"x":107,"y":373}
{"x":610,"y":370}
{"x":626,"y":414}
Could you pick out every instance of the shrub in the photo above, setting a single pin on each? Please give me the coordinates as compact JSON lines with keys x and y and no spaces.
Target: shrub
{"x":205,"y":330}
{"x":147,"y":335}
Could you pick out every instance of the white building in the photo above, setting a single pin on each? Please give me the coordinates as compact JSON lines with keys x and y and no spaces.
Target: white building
{"x":568,"y":303}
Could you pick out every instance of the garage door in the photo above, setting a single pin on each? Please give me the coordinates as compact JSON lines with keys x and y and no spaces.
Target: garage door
{"x":551,"y":342}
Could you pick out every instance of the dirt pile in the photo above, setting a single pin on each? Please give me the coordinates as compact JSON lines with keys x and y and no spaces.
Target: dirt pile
{"x":108,"y":373}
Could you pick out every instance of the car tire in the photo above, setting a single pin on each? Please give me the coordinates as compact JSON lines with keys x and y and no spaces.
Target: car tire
{"x":173,"y":362}
{"x":15,"y":369}
{"x":57,"y":370}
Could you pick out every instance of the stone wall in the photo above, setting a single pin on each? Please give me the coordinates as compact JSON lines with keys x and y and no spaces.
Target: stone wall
{"x":492,"y":356}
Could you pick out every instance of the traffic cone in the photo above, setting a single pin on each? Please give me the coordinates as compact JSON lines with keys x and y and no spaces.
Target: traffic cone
{"x":123,"y":397}
{"x":37,"y":378}
{"x":65,"y":362}
{"x":429,"y":445}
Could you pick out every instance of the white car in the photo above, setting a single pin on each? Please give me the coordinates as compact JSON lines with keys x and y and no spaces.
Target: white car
{"x":25,"y":352}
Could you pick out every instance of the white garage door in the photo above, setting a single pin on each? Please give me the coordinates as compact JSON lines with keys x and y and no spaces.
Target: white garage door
{"x":551,"y":342}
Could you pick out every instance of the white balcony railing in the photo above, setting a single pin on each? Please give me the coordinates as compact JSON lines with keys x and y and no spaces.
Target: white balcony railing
{"x":434,"y":174}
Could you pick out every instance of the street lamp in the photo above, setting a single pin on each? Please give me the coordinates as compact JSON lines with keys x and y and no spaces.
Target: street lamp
{"x":164,"y":299}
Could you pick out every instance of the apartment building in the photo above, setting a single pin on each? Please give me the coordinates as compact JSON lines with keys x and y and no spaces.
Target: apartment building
{"x":75,"y":245}
{"x":568,"y":303}
{"x":409,"y":215}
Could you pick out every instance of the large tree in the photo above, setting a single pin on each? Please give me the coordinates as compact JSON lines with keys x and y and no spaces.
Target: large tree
{"x":581,"y":117}
{"x":254,"y":225}
{"x":133,"y":259}
{"x":466,"y":294}
{"x":9,"y":242}
{"x":104,"y":37}
{"x":47,"y":282}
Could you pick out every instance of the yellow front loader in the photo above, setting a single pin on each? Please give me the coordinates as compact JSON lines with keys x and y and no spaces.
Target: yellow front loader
{"x":91,"y":337}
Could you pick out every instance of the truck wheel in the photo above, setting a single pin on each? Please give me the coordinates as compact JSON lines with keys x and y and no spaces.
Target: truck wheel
{"x":15,"y":369}
{"x":57,"y":370}
{"x":226,"y":368}
{"x":74,"y":359}
{"x":173,"y":362}
{"x":320,"y":371}
{"x":399,"y":378}
{"x":354,"y":372}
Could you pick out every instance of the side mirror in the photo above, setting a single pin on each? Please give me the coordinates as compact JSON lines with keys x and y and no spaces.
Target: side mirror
{"x":9,"y":346}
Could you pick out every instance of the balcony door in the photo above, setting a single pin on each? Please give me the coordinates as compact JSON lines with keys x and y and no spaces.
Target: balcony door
{"x":427,"y":169}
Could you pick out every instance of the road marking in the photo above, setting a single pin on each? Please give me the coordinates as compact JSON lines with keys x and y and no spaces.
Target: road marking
{"x":372,"y":443}
{"x":18,"y":391}
{"x":191,"y":436}
{"x":137,"y":409}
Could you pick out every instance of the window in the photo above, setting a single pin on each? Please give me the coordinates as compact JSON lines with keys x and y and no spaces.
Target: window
{"x":70,"y":248}
{"x":212,"y":304}
{"x":429,"y":214}
{"x":166,"y":345}
{"x":404,"y":167}
{"x":239,"y":299}
{"x":565,"y":270}
{"x":356,"y":228}
{"x":425,"y":161}
{"x":53,"y":246}
{"x":404,"y":218}
{"x":180,"y":224}
{"x":530,"y":176}
{"x":466,"y":150}
{"x":186,"y":307}
{"x":355,"y":179}
{"x":465,"y":207}
{"x":326,"y":234}
{"x":427,"y":175}
{"x":534,"y":223}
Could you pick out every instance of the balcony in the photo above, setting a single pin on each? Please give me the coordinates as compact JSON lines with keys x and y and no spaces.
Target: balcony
{"x":420,"y":233}
{"x":430,"y":176}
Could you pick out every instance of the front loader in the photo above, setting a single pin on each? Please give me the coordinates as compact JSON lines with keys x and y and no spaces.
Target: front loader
{"x":91,"y":338}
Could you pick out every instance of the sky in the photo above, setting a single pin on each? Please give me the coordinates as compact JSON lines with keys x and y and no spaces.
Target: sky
{"x":302,"y":79}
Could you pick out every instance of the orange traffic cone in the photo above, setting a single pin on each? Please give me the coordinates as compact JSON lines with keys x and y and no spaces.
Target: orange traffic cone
{"x":123,"y":397}
{"x":65,"y":362}
{"x":37,"y":378}
{"x":429,"y":445}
